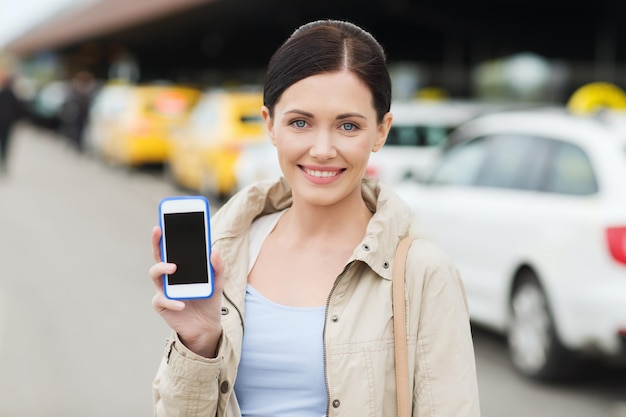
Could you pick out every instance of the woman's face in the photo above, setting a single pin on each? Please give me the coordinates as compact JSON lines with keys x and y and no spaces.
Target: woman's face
{"x":324,"y":128}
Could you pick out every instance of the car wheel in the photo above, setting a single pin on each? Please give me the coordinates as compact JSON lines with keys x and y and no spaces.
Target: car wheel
{"x":534,"y":346}
{"x":168,"y":174}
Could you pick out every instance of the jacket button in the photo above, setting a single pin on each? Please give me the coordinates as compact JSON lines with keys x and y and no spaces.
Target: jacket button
{"x":224,"y":311}
{"x":334,"y":319}
{"x":366,"y":247}
{"x":336,"y":403}
{"x":385,"y":265}
{"x":224,"y":387}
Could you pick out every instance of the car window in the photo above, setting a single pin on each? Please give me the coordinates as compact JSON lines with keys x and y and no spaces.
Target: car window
{"x":461,"y":165}
{"x":114,"y":102}
{"x":514,"y":161}
{"x":570,"y":171}
{"x":426,"y":135}
{"x":252,"y":118}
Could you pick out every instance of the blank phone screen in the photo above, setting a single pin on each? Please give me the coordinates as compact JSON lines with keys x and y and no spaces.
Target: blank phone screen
{"x":186,"y":246}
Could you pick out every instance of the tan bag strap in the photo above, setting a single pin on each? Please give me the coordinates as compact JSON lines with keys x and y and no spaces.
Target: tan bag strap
{"x":399,"y":328}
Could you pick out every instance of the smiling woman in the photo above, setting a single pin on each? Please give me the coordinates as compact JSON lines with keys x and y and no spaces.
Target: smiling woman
{"x":325,"y":147}
{"x":306,"y":263}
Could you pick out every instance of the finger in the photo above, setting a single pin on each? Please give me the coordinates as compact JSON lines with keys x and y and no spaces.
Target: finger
{"x":156,"y":243}
{"x":157,"y":271}
{"x":218,"y":268}
{"x":161,"y":303}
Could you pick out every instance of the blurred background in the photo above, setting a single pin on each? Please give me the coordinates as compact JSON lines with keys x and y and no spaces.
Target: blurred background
{"x":534,"y":49}
{"x":509,"y":143}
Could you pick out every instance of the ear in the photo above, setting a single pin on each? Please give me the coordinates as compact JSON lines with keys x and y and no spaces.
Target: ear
{"x":269,"y":123}
{"x":382,"y":132}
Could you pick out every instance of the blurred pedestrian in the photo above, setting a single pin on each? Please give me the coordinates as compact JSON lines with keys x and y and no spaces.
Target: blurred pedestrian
{"x":75,"y":112}
{"x":305,"y":263}
{"x":11,"y":110}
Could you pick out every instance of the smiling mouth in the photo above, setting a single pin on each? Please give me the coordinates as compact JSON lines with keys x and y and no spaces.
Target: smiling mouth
{"x":321,"y":174}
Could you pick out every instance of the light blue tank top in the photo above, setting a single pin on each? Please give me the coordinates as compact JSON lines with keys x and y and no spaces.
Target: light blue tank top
{"x":281,"y":372}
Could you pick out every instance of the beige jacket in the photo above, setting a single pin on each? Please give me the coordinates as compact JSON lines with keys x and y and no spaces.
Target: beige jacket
{"x":358,"y":333}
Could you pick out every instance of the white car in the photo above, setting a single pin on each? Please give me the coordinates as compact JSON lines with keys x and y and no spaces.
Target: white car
{"x":531,"y":206}
{"x":256,"y":162}
{"x":418,"y":134}
{"x":108,"y":107}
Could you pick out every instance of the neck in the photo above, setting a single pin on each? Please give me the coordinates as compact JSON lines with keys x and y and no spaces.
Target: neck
{"x":345,"y":221}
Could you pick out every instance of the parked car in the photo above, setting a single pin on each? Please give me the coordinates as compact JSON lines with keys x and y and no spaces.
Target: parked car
{"x":45,"y":109}
{"x":417,"y":136}
{"x":105,"y":112}
{"x":531,"y":205}
{"x":131,"y":124}
{"x":257,"y":162}
{"x":205,"y":150}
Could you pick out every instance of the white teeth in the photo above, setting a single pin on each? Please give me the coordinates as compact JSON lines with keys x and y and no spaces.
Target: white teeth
{"x":320,"y":174}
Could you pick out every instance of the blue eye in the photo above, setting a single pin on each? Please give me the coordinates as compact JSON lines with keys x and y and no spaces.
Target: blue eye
{"x":349,"y":126}
{"x":299,"y":124}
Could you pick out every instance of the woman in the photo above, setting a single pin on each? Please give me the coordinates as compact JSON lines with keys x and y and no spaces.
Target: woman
{"x":304,"y":265}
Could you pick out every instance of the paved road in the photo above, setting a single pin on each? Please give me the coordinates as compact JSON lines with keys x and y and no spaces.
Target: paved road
{"x":599,"y":393}
{"x":78,"y":337}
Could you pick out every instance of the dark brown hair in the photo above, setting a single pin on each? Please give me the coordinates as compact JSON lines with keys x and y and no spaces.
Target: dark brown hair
{"x":328,"y":46}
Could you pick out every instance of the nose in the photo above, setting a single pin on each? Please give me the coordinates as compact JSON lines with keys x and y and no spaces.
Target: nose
{"x":323,"y":146}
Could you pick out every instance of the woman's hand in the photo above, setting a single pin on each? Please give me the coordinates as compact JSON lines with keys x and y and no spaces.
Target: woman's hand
{"x":197,"y":322}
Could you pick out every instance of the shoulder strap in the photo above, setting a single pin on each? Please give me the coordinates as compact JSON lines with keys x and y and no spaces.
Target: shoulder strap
{"x":399,"y":327}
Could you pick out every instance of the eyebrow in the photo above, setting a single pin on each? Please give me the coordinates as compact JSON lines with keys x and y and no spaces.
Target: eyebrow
{"x":302,"y":112}
{"x":348,"y":115}
{"x":339,"y":117}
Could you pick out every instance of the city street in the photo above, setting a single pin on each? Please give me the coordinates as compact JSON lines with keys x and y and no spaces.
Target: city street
{"x":78,"y":336}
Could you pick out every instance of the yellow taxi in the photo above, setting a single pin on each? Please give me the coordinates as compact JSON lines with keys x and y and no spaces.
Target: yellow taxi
{"x":203,"y":153}
{"x":147,"y":114}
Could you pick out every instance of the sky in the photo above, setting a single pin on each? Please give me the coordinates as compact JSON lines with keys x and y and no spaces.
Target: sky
{"x":19,"y":16}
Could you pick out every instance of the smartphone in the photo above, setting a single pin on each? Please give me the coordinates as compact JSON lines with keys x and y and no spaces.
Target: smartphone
{"x":186,"y":242}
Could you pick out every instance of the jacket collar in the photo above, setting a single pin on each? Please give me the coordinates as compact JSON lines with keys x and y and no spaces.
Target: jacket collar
{"x":391,"y":221}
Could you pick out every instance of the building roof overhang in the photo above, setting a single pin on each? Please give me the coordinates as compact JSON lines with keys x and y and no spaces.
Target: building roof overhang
{"x":93,"y":19}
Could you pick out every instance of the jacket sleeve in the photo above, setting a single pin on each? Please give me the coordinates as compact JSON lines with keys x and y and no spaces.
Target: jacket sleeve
{"x":186,"y":384}
{"x":445,"y":381}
